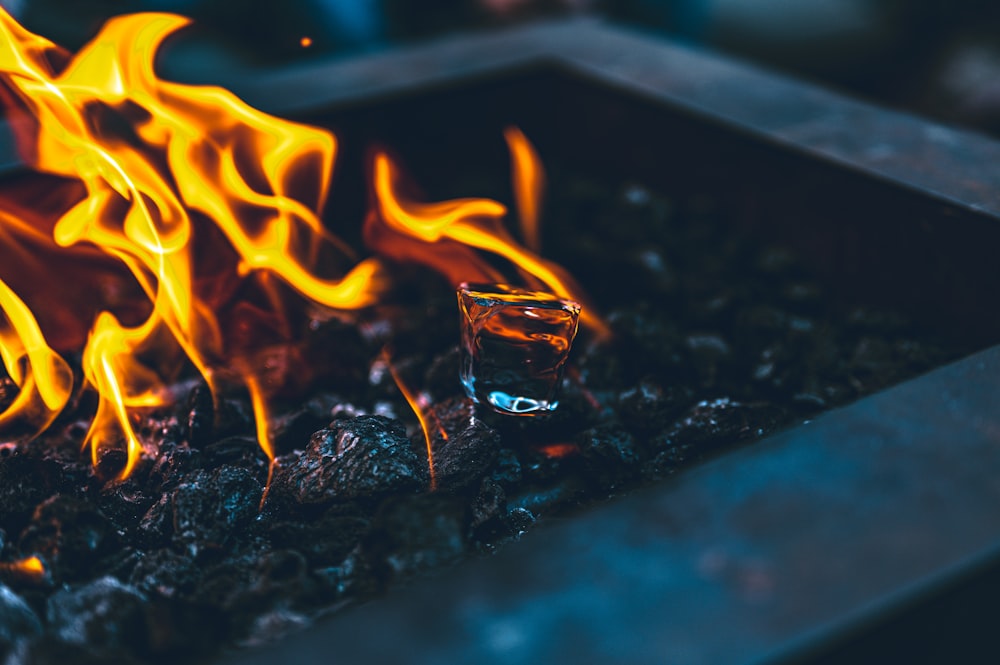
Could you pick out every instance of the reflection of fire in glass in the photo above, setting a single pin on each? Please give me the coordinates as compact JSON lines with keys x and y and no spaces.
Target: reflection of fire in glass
{"x":514,"y":346}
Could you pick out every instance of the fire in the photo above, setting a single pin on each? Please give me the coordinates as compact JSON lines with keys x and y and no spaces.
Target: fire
{"x":167,"y":169}
{"x":446,"y":235}
{"x":423,"y":416}
{"x":528,"y":177}
{"x":192,"y":214}
{"x":28,"y":570}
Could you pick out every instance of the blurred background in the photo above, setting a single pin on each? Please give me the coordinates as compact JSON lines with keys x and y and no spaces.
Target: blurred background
{"x":938,"y":58}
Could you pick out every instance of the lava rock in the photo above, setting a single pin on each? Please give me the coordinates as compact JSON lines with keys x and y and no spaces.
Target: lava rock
{"x":324,"y":541}
{"x":173,"y":463}
{"x":212,"y":508}
{"x":708,"y":426}
{"x":25,"y":481}
{"x":124,"y":502}
{"x":489,"y":504}
{"x":609,"y":453}
{"x":362,"y":457}
{"x":18,"y":621}
{"x":166,"y":573}
{"x":201,"y":415}
{"x":507,"y":471}
{"x":157,"y":525}
{"x":71,"y":535}
{"x":296,"y":429}
{"x":104,"y":617}
{"x":471,"y":449}
{"x":236,"y":451}
{"x":709,"y":353}
{"x":416,"y":534}
{"x":649,"y":407}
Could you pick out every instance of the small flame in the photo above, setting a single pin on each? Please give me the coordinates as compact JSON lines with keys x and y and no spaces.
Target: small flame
{"x":28,"y":570}
{"x":528,"y":177}
{"x":418,"y":410}
{"x":445,"y":236}
{"x":306,"y":42}
{"x":559,"y":450}
{"x":32,"y":566}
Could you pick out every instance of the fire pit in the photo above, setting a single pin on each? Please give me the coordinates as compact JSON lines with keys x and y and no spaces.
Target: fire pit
{"x":847,"y":216}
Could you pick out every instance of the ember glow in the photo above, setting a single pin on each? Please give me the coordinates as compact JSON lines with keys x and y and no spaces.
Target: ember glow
{"x":200,"y":206}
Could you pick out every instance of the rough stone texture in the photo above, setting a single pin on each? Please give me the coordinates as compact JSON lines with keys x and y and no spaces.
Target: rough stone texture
{"x":104,"y":616}
{"x":471,"y":449}
{"x":212,"y":507}
{"x":18,"y":621}
{"x":366,"y":456}
{"x":71,"y":535}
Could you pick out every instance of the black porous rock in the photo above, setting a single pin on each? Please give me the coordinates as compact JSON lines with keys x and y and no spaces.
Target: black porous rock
{"x":71,"y":535}
{"x":237,"y":451}
{"x":416,"y":534}
{"x":489,"y":504}
{"x":649,"y":406}
{"x":157,"y":525}
{"x":165,"y":572}
{"x":507,"y":472}
{"x":124,"y":502}
{"x":609,"y":453}
{"x":706,"y":427}
{"x":173,"y":463}
{"x":211,"y":508}
{"x":18,"y":621}
{"x":25,"y":481}
{"x":326,"y":540}
{"x":104,"y":617}
{"x":362,"y":457}
{"x":469,"y":452}
{"x":201,"y":415}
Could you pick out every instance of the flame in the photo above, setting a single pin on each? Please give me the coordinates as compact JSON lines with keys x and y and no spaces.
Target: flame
{"x":44,"y":378}
{"x":166,"y":168}
{"x":30,"y":570}
{"x":528,"y":176}
{"x":177,"y":220}
{"x":559,"y":450}
{"x":445,"y":236}
{"x":418,"y":410}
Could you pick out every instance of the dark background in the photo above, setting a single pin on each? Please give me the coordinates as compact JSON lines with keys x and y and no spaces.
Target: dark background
{"x":939,"y":58}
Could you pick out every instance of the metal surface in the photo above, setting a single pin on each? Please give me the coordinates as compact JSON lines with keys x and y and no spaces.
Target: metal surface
{"x":767,"y":553}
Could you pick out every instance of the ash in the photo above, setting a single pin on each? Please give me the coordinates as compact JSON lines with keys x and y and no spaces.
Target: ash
{"x":719,"y":340}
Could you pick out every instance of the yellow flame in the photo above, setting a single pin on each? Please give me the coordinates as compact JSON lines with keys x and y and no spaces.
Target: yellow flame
{"x":425,"y":427}
{"x":528,"y":177}
{"x":44,"y":378}
{"x":189,"y":156}
{"x":471,"y":223}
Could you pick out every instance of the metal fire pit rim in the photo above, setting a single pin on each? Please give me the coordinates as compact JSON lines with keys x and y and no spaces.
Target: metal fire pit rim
{"x":956,"y":165}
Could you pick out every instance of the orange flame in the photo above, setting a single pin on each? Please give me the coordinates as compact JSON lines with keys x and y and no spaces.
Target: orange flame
{"x":191,"y":162}
{"x":445,"y":236}
{"x":44,"y":378}
{"x":528,"y":176}
{"x":30,"y":569}
{"x":418,"y":410}
{"x":185,"y":210}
